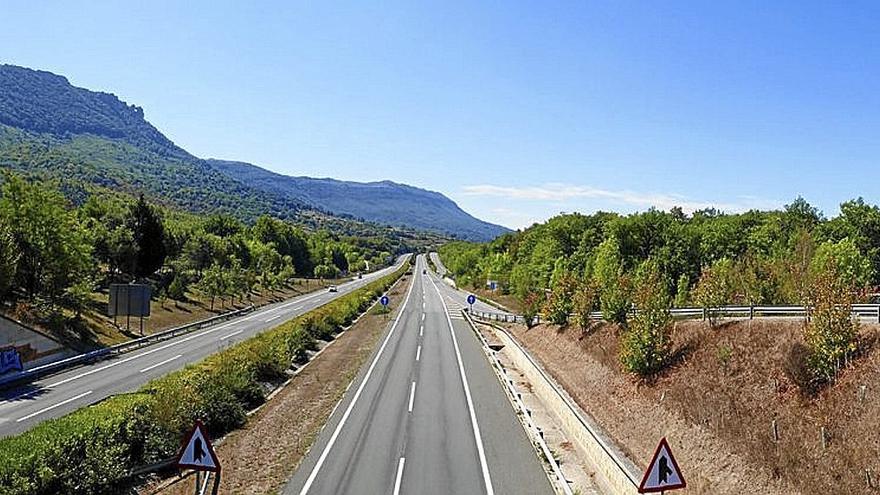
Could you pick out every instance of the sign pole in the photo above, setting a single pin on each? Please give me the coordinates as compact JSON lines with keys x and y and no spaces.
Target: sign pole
{"x":216,"y":488}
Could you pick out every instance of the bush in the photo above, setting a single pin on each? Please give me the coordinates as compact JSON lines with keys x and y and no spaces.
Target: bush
{"x":584,"y":303}
{"x":531,"y":307}
{"x":560,"y":306}
{"x":93,"y":449}
{"x":831,"y":331}
{"x":646,"y":345}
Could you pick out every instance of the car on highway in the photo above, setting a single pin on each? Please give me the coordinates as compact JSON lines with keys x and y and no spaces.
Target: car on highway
{"x":332,"y":288}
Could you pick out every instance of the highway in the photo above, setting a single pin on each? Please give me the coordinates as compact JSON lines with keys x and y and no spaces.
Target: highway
{"x":425,"y":414}
{"x":24,"y":406}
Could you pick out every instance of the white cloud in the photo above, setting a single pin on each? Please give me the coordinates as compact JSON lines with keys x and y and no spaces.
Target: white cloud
{"x":563,"y":193}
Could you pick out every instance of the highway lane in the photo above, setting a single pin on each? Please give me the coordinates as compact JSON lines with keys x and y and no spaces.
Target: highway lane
{"x":24,"y":406}
{"x":425,"y":415}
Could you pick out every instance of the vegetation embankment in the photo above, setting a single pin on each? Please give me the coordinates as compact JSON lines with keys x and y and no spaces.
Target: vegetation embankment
{"x":733,"y":404}
{"x":575,"y":264}
{"x":94,"y":449}
{"x":281,"y":433}
{"x":58,"y":258}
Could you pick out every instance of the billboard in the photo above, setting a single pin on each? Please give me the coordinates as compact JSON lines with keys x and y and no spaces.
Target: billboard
{"x":129,"y":300}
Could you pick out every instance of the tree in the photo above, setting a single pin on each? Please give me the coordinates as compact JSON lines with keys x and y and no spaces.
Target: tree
{"x":55,"y":251}
{"x":584,"y":302}
{"x":683,"y":291}
{"x":148,"y":237}
{"x":715,"y":288}
{"x":8,"y":260}
{"x":560,"y":306}
{"x":848,"y":263}
{"x":647,"y":343}
{"x":213,"y":283}
{"x":612,"y":282}
{"x":831,"y":330}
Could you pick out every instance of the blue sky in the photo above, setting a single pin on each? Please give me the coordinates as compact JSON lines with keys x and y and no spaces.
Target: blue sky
{"x":515,"y":110}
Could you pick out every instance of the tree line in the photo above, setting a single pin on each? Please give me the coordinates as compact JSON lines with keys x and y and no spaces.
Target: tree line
{"x":57,"y":254}
{"x":575,"y":264}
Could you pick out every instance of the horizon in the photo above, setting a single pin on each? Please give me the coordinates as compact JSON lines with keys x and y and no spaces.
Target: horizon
{"x":638,"y":98}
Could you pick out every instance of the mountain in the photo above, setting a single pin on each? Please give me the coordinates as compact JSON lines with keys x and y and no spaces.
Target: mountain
{"x":52,"y":129}
{"x":383,"y":202}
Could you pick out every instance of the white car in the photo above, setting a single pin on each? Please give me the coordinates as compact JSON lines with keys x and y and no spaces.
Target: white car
{"x":332,"y":288}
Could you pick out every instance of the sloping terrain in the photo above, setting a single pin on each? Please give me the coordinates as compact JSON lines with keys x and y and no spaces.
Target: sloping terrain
{"x":53,"y":129}
{"x":718,"y":405}
{"x":383,"y":202}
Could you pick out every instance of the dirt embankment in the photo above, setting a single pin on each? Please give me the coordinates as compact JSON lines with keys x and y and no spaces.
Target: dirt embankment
{"x":719,"y":402}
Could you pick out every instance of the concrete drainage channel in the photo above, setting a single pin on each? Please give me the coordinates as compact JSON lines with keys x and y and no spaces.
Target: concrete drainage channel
{"x":615,"y":472}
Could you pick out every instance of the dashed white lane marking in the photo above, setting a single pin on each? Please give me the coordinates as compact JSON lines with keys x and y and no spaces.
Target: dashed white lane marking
{"x":467,"y":394}
{"x":154,"y":366}
{"x":418,"y":353}
{"x":423,"y":316}
{"x":233,"y":334}
{"x":421,"y":330}
{"x":399,"y":476}
{"x":267,"y":320}
{"x":47,"y":409}
{"x":354,"y":399}
{"x":412,"y":395}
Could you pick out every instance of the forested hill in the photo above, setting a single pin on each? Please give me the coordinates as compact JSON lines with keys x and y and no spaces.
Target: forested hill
{"x":51,"y":128}
{"x":43,"y":102}
{"x":384,"y":202}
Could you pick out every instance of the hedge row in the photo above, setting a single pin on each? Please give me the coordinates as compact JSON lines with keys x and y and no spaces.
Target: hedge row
{"x":93,"y":449}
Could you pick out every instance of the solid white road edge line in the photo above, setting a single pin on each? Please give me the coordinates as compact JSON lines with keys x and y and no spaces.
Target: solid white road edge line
{"x":467,"y":393}
{"x":47,"y":409}
{"x":160,"y":363}
{"x":399,"y":478}
{"x":412,"y":395}
{"x":357,"y":394}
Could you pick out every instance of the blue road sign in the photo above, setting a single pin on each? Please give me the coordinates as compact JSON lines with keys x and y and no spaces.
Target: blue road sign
{"x":472,"y":299}
{"x":384,"y":300}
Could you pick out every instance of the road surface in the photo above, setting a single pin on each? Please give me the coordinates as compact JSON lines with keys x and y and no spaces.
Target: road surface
{"x":24,"y":406}
{"x":425,"y":415}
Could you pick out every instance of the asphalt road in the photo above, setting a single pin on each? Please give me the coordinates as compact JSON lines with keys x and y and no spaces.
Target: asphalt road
{"x":425,"y":415}
{"x":24,"y":406}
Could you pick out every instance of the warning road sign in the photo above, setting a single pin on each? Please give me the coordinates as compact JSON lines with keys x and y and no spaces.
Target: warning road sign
{"x":663,"y":472}
{"x":197,"y":452}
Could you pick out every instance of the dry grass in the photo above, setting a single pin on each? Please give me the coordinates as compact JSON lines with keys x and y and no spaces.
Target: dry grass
{"x":717,"y":404}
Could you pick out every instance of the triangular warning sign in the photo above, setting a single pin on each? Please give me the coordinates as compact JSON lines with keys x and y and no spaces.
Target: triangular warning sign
{"x":197,"y":452}
{"x":663,"y":472}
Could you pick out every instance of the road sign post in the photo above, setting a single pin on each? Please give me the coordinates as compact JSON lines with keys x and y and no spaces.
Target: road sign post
{"x":471,"y":299}
{"x":198,"y":454}
{"x":663,"y":472}
{"x":384,"y":300}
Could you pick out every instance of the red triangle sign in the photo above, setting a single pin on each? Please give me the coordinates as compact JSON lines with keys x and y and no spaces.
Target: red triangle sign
{"x":197,"y":452}
{"x":663,"y":472}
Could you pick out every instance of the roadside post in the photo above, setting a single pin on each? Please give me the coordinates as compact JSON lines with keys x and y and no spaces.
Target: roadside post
{"x":471,"y":299}
{"x":384,"y":301}
{"x":198,"y":454}
{"x":663,"y":472}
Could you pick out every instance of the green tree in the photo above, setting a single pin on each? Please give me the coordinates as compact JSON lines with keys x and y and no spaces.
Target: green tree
{"x":584,"y":303}
{"x":830,"y":333}
{"x":148,"y":236}
{"x":55,"y":252}
{"x":647,"y":343}
{"x":612,"y":282}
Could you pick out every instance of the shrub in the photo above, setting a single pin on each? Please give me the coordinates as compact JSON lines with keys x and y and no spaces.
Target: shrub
{"x":584,"y":303}
{"x":560,"y":306}
{"x":831,"y":331}
{"x":531,"y":305}
{"x":646,"y":344}
{"x":93,"y":449}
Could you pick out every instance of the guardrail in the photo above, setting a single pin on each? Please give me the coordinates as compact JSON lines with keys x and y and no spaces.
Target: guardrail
{"x":97,"y":355}
{"x":858,"y":310}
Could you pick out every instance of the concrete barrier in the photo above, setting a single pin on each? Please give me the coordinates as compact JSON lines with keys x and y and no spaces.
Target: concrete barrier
{"x":618,"y":474}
